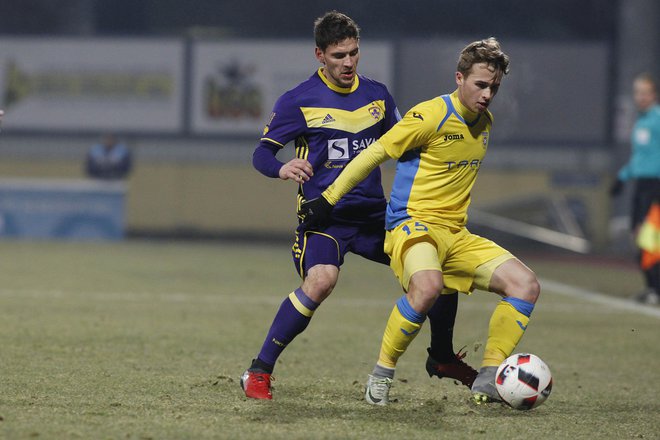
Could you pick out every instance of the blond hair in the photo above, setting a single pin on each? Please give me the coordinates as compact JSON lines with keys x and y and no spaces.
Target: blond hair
{"x":483,"y":51}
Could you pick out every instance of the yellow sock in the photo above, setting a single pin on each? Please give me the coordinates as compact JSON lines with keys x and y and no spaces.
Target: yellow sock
{"x":402,"y":327}
{"x":507,"y":326}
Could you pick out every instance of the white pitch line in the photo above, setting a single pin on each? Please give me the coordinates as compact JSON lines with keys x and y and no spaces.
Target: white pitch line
{"x":178,"y":297}
{"x":599,"y":298}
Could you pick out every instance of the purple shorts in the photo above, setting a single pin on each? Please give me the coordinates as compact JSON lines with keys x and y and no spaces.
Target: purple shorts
{"x":330,"y":245}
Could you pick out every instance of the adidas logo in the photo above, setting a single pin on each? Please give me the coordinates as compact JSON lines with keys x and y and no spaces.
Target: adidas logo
{"x":328,"y":119}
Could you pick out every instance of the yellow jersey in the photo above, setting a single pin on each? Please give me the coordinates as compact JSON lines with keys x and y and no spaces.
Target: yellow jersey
{"x":440,"y":145}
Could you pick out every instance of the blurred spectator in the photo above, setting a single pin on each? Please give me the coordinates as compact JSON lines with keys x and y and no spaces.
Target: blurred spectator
{"x":643,"y":168}
{"x":109,"y":159}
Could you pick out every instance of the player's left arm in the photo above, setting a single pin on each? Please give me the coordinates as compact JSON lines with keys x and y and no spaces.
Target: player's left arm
{"x":392,"y":115}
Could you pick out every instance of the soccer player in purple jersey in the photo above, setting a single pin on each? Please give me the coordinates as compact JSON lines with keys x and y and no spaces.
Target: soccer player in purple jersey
{"x":331,"y":117}
{"x":440,"y":145}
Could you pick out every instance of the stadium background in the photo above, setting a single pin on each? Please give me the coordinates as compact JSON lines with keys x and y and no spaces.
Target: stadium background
{"x":146,"y":339}
{"x":190,"y":88}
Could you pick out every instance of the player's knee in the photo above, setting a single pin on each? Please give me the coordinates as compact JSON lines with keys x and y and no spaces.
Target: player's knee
{"x":319,"y":290}
{"x":425,"y":287}
{"x":319,"y":283}
{"x":527,"y":287}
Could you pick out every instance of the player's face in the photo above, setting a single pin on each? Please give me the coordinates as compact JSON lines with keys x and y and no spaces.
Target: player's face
{"x":340,"y":62}
{"x":643,"y":94}
{"x":477,"y":89}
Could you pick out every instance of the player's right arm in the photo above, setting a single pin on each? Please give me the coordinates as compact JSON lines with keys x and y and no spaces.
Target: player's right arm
{"x":355,"y":172}
{"x":413,"y":131}
{"x":316,"y":211}
{"x":284,"y":125}
{"x":265,"y":161}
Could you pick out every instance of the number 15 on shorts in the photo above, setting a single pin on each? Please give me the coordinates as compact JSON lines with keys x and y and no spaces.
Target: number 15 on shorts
{"x":420,"y":227}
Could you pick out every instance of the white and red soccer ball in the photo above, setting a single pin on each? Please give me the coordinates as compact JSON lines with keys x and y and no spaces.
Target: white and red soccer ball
{"x":523,"y":381}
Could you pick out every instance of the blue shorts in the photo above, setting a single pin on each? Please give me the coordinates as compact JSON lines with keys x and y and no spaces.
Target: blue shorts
{"x":331,"y":244}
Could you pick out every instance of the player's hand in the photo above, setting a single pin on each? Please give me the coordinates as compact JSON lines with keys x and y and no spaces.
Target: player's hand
{"x":298,"y":170}
{"x":616,"y":188}
{"x":315,"y":212}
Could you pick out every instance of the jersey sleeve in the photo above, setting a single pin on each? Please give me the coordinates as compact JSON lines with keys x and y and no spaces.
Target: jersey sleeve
{"x":285,"y":123}
{"x":414,"y":130}
{"x":264,"y":160}
{"x":356,"y":171}
{"x":392,"y":115}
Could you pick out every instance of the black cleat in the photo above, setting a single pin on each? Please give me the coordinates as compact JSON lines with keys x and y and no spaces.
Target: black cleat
{"x":456,"y":369}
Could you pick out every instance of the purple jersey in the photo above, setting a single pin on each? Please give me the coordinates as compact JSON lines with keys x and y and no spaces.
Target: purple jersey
{"x":330,"y":126}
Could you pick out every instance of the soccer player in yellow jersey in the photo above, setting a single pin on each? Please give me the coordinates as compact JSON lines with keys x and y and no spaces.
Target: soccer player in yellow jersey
{"x":439,"y":145}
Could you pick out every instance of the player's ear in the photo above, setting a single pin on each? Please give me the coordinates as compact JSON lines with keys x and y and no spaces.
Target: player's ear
{"x":319,"y":55}
{"x":459,"y":79}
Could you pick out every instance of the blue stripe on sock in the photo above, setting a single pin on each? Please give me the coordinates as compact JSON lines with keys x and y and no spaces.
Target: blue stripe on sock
{"x":305,"y":300}
{"x":408,"y":312}
{"x":520,"y":305}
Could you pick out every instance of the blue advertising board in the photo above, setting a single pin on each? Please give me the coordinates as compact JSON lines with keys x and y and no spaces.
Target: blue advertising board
{"x":62,"y":209}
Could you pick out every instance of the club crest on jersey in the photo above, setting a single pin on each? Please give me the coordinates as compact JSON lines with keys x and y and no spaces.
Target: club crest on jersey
{"x":328,"y":119}
{"x":338,"y":149}
{"x":375,"y":112}
{"x":485,"y":136}
{"x":267,"y":127}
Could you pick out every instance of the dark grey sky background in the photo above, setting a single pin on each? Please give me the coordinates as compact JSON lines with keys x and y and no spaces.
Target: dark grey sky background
{"x":534,"y":19}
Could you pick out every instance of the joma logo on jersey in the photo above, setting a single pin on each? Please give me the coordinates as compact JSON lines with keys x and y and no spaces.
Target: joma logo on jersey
{"x":338,"y":149}
{"x":474,"y":164}
{"x":454,"y":137}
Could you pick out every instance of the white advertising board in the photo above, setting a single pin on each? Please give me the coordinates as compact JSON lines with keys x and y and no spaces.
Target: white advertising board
{"x":540,"y":100}
{"x":92,"y":85}
{"x":235,"y":84}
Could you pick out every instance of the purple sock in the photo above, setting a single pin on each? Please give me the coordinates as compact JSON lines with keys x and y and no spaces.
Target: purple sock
{"x":288,"y":324}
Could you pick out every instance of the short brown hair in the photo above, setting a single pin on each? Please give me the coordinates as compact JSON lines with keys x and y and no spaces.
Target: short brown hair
{"x":334,"y":27}
{"x":483,"y":51}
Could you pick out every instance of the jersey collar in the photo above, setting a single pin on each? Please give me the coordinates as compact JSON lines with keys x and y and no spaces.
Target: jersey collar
{"x":469,"y":116}
{"x":338,"y":89}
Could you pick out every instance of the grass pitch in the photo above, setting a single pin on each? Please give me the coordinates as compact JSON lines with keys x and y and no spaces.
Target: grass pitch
{"x":146,"y":340}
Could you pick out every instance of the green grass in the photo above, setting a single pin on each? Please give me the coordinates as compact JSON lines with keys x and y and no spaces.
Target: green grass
{"x":141,"y":340}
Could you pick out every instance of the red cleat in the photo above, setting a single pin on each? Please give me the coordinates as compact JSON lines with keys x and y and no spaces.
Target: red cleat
{"x":256,"y":385}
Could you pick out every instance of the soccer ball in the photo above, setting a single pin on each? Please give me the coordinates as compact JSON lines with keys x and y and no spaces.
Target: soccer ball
{"x":523,"y":381}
